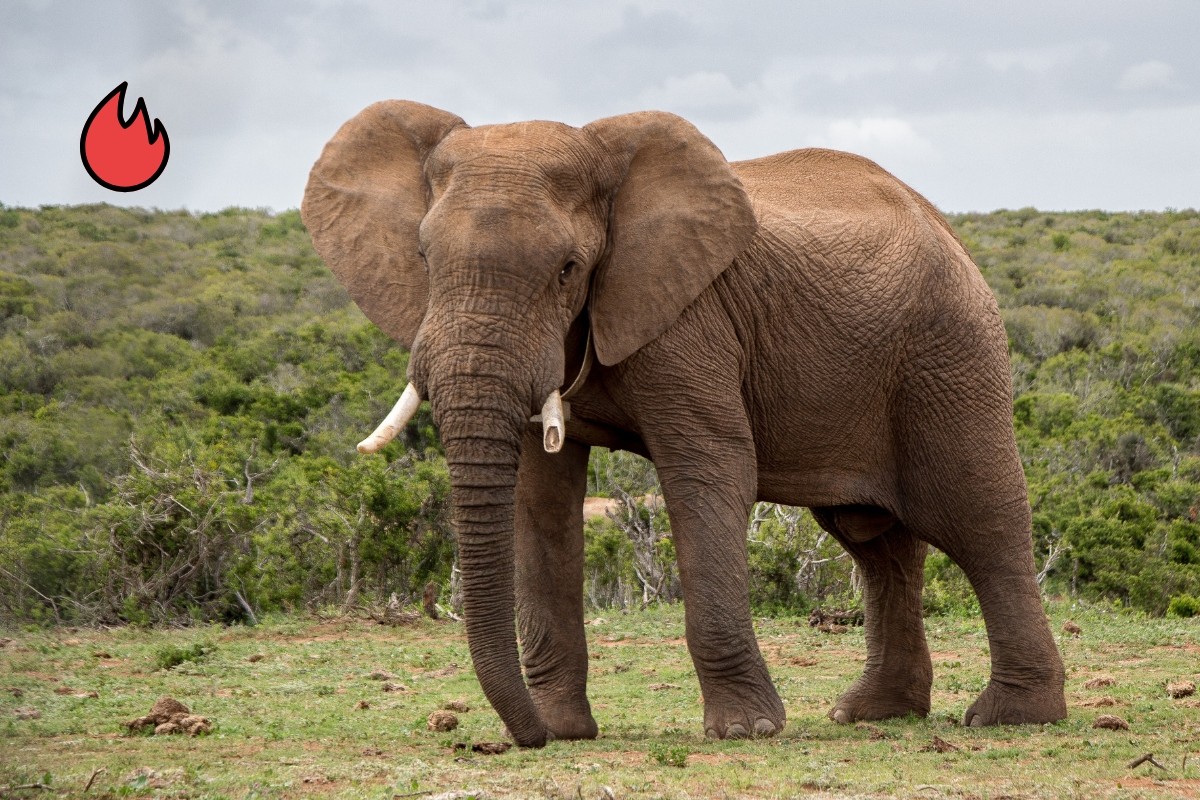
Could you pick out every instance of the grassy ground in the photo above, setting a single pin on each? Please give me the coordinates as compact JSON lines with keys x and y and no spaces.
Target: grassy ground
{"x":284,"y":698}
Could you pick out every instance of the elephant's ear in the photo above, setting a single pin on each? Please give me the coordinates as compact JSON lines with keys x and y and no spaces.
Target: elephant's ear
{"x":365,"y":199}
{"x":679,"y":217}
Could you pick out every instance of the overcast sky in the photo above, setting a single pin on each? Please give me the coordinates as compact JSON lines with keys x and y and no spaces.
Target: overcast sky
{"x":1050,"y":103}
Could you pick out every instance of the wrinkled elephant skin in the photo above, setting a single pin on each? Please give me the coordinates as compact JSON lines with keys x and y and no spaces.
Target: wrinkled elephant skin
{"x":801,"y":328}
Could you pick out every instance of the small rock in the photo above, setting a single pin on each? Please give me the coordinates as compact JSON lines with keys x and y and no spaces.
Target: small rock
{"x":394,"y":687}
{"x":255,"y":658}
{"x":1110,"y":722}
{"x":457,"y":705}
{"x":362,"y":705}
{"x":442,"y":721}
{"x":101,"y":654}
{"x":1181,"y":689}
{"x":1072,"y":628}
{"x":27,"y":713}
{"x":1099,"y":702}
{"x":380,"y":675}
{"x":1100,"y":681}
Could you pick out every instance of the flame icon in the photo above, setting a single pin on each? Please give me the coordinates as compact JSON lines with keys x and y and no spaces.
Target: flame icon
{"x":120,"y":155}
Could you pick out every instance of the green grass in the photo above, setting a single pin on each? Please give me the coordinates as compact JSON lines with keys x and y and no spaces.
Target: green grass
{"x":287,"y":724}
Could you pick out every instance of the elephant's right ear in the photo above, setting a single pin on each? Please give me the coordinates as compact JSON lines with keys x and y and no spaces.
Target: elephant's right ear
{"x":365,"y":199}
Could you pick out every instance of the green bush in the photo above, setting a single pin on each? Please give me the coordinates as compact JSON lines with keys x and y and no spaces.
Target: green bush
{"x":1183,"y":605}
{"x":172,"y":655}
{"x":223,"y":347}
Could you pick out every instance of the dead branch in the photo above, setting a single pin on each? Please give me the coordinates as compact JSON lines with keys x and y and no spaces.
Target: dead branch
{"x":1148,"y":758}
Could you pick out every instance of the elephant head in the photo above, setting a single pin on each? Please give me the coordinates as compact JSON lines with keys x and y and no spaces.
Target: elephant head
{"x":477,"y":248}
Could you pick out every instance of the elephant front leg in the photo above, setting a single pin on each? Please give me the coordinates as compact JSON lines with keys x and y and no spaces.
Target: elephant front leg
{"x":549,"y":583}
{"x":708,"y":502}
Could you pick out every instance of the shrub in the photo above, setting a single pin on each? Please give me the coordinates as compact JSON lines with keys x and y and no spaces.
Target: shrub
{"x":1183,"y":605}
{"x":172,"y":655}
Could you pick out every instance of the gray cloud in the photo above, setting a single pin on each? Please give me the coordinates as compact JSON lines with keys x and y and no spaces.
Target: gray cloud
{"x":1068,"y":104}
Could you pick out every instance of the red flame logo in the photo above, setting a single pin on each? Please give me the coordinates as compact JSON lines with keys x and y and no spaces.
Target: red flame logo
{"x":120,"y":155}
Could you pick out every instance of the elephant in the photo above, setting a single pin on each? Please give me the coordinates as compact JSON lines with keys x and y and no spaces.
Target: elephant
{"x":801,"y":328}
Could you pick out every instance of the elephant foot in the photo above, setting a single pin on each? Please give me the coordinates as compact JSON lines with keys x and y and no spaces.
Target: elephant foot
{"x":573,"y":728}
{"x":1006,"y":704}
{"x":749,"y":718}
{"x":565,"y":719}
{"x":880,"y":697}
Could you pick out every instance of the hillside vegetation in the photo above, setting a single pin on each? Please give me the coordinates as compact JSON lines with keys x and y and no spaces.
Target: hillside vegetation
{"x":180,"y":395}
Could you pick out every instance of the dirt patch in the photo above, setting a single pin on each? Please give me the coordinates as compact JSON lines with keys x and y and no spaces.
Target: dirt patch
{"x":1179,"y":787}
{"x":1100,"y":682}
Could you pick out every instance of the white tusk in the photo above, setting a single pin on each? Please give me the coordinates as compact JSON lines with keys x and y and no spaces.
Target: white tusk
{"x":553,"y":427}
{"x":404,"y":410}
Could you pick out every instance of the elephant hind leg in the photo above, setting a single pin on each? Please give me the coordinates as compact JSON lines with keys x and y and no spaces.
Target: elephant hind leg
{"x":965,"y":494}
{"x":898,"y":675}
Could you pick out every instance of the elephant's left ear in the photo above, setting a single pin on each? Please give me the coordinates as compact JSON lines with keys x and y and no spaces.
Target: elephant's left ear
{"x":679,"y":217}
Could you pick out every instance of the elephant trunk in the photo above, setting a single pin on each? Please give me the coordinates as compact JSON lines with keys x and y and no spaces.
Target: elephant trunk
{"x":482,"y":444}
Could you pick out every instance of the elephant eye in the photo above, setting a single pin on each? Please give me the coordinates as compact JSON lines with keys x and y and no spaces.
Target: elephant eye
{"x":567,"y":269}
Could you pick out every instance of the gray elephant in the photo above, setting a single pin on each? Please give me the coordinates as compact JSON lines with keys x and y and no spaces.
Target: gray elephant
{"x":801,"y":328}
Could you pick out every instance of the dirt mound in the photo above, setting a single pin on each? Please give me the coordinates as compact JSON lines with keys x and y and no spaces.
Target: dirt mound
{"x":169,"y":716}
{"x":442,"y":721}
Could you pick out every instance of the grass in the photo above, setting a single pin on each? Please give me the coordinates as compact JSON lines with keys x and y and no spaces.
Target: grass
{"x":284,"y":700}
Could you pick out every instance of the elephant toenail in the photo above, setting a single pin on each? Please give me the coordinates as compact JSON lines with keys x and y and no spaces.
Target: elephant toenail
{"x":711,"y":733}
{"x":764,"y":727}
{"x":976,"y":721}
{"x":736,"y":731}
{"x":840,"y":716}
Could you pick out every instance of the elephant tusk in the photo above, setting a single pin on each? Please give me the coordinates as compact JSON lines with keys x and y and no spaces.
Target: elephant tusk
{"x":553,"y":427}
{"x":404,"y":410}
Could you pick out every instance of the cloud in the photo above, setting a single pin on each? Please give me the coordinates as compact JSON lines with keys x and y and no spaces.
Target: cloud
{"x":1017,"y":103}
{"x":1147,"y":76}
{"x":701,"y":94}
{"x":1043,"y":60}
{"x":887,"y":136}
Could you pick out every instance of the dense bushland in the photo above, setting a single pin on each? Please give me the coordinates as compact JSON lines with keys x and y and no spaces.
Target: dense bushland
{"x":180,"y":395}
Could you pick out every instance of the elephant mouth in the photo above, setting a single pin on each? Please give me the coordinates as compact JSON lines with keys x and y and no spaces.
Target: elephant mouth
{"x":553,"y":418}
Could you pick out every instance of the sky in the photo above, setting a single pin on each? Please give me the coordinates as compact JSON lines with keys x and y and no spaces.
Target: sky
{"x":1056,"y":104}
